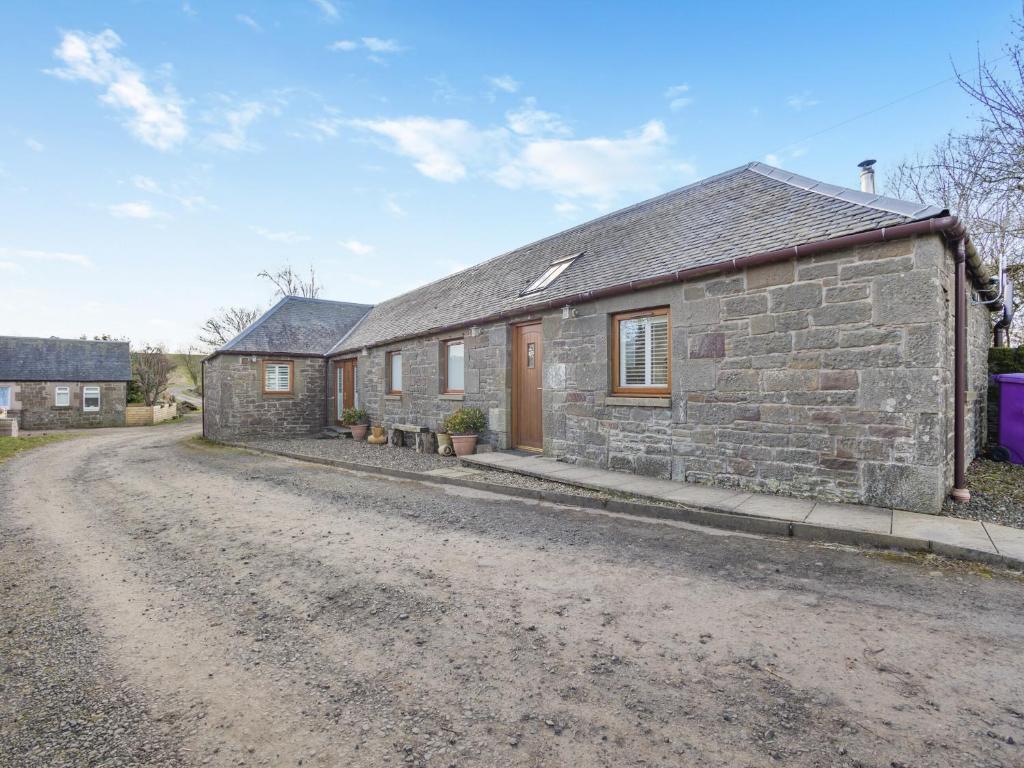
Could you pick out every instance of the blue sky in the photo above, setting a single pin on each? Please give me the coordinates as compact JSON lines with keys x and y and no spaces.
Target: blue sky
{"x":155,"y":155}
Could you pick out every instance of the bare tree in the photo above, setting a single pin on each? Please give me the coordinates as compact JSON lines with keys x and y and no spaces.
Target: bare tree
{"x":1001,"y":97}
{"x":226,"y":324}
{"x":288,"y":282}
{"x":192,"y":361}
{"x":151,"y":369}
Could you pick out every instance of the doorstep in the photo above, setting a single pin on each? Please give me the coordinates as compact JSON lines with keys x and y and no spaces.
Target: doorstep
{"x":803,"y":518}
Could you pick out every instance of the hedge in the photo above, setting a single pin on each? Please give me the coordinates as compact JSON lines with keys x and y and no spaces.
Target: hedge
{"x":1006,"y":360}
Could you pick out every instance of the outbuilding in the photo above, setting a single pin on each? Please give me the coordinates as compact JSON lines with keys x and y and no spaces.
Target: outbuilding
{"x":51,"y":383}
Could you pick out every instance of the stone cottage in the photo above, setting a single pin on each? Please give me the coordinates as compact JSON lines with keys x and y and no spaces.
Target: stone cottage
{"x":63,"y":383}
{"x":757,"y":329}
{"x":271,"y":380}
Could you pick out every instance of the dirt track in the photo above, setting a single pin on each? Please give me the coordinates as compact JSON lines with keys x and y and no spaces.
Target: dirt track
{"x":167,"y":604}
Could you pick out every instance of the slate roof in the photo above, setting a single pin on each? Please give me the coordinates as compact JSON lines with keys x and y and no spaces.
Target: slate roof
{"x":298,"y":326}
{"x":747,"y":210}
{"x":35,"y":359}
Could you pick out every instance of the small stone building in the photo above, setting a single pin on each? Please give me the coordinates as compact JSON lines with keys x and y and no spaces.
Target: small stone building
{"x":271,"y":380}
{"x":64,"y":383}
{"x":757,"y":329}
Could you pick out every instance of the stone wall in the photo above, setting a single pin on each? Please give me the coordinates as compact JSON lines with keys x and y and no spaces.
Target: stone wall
{"x":827,"y":377}
{"x":33,"y":405}
{"x":422,"y":401}
{"x":236,"y":408}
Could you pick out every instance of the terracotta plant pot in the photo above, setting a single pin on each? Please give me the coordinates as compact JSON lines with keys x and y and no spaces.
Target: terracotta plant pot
{"x":464,"y":444}
{"x":359,"y":431}
{"x":378,"y":437}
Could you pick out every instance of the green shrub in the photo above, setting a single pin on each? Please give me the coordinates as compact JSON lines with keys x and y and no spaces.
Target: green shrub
{"x":466,"y":421}
{"x":1006,"y":360}
{"x":351,"y":416}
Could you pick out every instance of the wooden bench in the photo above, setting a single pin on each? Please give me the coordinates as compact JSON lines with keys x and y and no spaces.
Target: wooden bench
{"x":424,"y":437}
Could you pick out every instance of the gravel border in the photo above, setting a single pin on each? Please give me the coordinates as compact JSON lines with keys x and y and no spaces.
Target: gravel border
{"x":997,"y":494}
{"x":407,"y":460}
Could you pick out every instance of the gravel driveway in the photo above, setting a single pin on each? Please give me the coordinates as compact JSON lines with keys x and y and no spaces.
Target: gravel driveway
{"x":164,"y":603}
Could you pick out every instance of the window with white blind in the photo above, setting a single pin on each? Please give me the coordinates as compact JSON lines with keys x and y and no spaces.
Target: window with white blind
{"x":90,"y":399}
{"x":642,"y":352}
{"x":394,"y":373}
{"x":5,"y":397}
{"x":277,"y":377}
{"x":62,"y":397}
{"x":454,"y":366}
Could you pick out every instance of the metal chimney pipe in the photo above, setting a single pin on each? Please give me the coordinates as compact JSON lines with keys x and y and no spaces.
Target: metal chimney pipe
{"x":867,"y":176}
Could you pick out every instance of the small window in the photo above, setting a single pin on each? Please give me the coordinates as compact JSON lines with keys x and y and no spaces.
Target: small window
{"x":642,"y":356}
{"x":5,"y":397}
{"x":551,"y":273}
{"x":62,"y":397}
{"x":394,"y":373}
{"x":277,"y":377}
{"x":90,"y":399}
{"x":454,"y":367}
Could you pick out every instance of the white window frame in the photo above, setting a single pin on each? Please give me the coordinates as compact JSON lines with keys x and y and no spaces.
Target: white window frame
{"x":88,"y":392}
{"x":648,"y":387}
{"x":448,"y":345}
{"x":66,"y":392}
{"x":391,"y":358}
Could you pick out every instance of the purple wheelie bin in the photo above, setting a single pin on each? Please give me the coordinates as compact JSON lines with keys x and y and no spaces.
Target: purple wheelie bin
{"x":1011,"y":414}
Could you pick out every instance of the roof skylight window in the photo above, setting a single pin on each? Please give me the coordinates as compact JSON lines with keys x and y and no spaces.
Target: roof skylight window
{"x":558,"y":266}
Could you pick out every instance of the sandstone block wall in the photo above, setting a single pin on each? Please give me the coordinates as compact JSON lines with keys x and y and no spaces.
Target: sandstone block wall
{"x":828,"y":377}
{"x":236,"y":408}
{"x":422,"y":400}
{"x":33,"y":405}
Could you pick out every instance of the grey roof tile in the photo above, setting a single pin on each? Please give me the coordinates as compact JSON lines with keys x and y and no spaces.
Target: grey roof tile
{"x":37,"y":359}
{"x":297,"y":325}
{"x":748,"y":210}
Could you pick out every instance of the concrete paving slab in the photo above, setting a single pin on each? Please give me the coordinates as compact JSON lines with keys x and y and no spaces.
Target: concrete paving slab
{"x":645,"y":486}
{"x":490,"y":459}
{"x":779,"y":507}
{"x":1009,"y":541}
{"x":707,"y":496}
{"x":967,"y":534}
{"x":852,"y":516}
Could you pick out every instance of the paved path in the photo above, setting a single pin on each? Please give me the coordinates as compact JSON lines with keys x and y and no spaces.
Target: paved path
{"x":165,"y":603}
{"x":871,"y":525}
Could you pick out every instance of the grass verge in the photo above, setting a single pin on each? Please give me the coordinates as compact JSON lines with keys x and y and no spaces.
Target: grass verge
{"x":11,"y":446}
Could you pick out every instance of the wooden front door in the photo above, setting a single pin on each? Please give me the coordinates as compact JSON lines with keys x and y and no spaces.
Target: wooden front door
{"x":527,"y":388}
{"x":344,"y":386}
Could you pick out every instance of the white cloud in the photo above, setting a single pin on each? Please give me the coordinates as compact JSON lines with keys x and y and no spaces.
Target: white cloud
{"x":677,"y":98}
{"x":327,"y":8}
{"x":51,"y":256}
{"x":288,"y":237}
{"x":802,"y":101}
{"x":381,"y":45}
{"x":504,"y":83}
{"x":598,"y":169}
{"x":34,"y":145}
{"x":391,"y":206}
{"x":356,"y":247}
{"x":439,"y":148}
{"x":236,"y":118}
{"x":134,"y":210}
{"x":188,"y":10}
{"x":146,"y":184}
{"x":248,"y":21}
{"x":530,"y":121}
{"x":155,"y":119}
{"x":773,"y":159}
{"x":565,"y":208}
{"x":377,"y":46}
{"x":10,"y":266}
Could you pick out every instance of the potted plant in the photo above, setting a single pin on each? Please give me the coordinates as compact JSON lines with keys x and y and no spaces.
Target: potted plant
{"x":465,"y":426}
{"x":357,"y":421}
